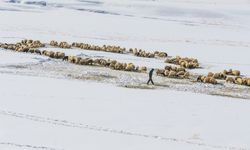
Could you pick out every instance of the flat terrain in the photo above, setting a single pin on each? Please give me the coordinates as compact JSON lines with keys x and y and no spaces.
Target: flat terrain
{"x":52,"y":104}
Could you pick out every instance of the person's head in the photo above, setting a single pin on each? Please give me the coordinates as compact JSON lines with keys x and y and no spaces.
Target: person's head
{"x":153,"y":69}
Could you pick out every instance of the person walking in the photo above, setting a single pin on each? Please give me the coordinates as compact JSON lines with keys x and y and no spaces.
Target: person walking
{"x":150,"y":76}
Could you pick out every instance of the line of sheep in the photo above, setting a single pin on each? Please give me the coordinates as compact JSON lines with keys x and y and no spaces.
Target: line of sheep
{"x":185,"y":62}
{"x":109,"y":48}
{"x":31,"y":46}
{"x":230,"y":76}
{"x":173,"y":72}
{"x":24,"y":46}
{"x":147,"y":54}
{"x":112,"y":64}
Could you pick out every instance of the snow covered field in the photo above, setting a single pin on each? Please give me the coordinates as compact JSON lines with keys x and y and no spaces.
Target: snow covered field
{"x":53,"y":105}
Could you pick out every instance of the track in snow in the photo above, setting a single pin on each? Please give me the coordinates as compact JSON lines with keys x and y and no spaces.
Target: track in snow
{"x":70,"y":124}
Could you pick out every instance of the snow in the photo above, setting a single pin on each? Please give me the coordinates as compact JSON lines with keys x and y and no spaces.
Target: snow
{"x":166,"y":114}
{"x":42,"y":107}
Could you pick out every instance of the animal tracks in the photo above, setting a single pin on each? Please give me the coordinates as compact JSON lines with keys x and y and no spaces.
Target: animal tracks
{"x":103,"y":129}
{"x":28,"y":146}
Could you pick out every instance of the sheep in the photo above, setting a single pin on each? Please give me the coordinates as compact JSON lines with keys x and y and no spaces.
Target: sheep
{"x":37,"y":51}
{"x":236,"y":72}
{"x":118,"y":66}
{"x":213,"y":81}
{"x":248,"y":82}
{"x":53,"y":43}
{"x":65,"y":58}
{"x":210,"y":74}
{"x":161,"y":54}
{"x":142,"y":69}
{"x":180,"y":73}
{"x":59,"y":55}
{"x":48,"y":53}
{"x":64,"y":45}
{"x":184,"y":62}
{"x":160,"y":72}
{"x":219,"y":75}
{"x":232,"y":72}
{"x":130,"y":67}
{"x":166,"y":72}
{"x":186,"y":75}
{"x":238,"y":80}
{"x":210,"y":80}
{"x":172,"y":74}
{"x":86,"y":61}
{"x":205,"y":79}
{"x":71,"y":59}
{"x":230,"y":80}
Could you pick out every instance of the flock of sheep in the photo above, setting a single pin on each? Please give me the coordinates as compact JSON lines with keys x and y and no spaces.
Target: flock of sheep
{"x":185,"y":62}
{"x":173,"y":72}
{"x":230,"y":76}
{"x":31,"y":46}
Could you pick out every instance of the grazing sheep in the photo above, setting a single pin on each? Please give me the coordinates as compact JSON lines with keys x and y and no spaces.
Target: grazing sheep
{"x":168,"y":67}
{"x":230,"y":80}
{"x":166,"y":72}
{"x":248,"y":82}
{"x":53,"y":43}
{"x":64,"y":45}
{"x":232,"y":72}
{"x":184,"y":62}
{"x":181,"y":69}
{"x":162,"y":54}
{"x":130,"y":67}
{"x":200,"y":78}
{"x":65,"y":58}
{"x":71,"y":59}
{"x":186,"y":75}
{"x":142,"y":69}
{"x":205,"y":79}
{"x":238,"y":80}
{"x":160,"y":72}
{"x":216,"y":75}
{"x":180,"y":73}
{"x":59,"y":55}
{"x":210,"y":74}
{"x":236,"y":72}
{"x":213,"y":81}
{"x":172,"y":74}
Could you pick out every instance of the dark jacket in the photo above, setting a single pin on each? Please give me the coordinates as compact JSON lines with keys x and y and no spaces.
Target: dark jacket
{"x":151,"y":73}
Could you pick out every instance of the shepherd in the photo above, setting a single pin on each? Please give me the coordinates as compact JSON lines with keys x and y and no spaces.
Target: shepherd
{"x":150,"y":76}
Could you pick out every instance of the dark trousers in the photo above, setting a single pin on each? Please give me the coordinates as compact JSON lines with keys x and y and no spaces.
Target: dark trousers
{"x":150,"y":80}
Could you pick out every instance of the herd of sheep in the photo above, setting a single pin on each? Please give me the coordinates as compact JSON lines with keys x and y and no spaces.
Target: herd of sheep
{"x":32,"y":46}
{"x":173,"y":72}
{"x":230,"y":76}
{"x":109,"y":48}
{"x":185,"y":62}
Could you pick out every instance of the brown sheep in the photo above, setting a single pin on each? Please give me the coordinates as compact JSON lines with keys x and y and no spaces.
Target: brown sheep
{"x":238,"y":80}
{"x":236,"y":72}
{"x":230,"y":80}
{"x":210,"y":74}
{"x":200,"y":78}
{"x":59,"y":55}
{"x":166,"y":72}
{"x":53,"y":43}
{"x":130,"y":67}
{"x":213,"y":81}
{"x":160,"y":72}
{"x":180,"y":73}
{"x":248,"y":82}
{"x":172,"y":74}
{"x":142,"y":69}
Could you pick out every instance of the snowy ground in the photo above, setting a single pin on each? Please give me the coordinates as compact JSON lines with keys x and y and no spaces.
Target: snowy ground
{"x":49,"y":104}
